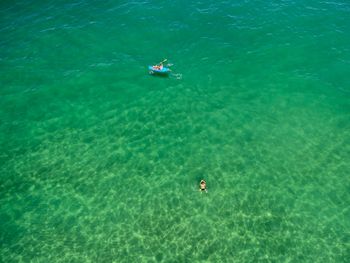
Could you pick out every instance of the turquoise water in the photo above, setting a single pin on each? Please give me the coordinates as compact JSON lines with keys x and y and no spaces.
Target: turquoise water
{"x":100,"y":162}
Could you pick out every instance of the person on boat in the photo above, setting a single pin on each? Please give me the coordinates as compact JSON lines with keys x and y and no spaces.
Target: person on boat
{"x":203,"y":186}
{"x":159,"y":66}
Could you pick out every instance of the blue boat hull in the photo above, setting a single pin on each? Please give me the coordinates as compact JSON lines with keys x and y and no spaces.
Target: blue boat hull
{"x":162,"y":71}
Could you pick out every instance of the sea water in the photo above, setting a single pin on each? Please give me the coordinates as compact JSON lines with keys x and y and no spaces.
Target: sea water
{"x":100,"y":161}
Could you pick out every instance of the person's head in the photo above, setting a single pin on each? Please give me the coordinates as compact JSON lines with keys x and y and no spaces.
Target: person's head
{"x":202,"y":182}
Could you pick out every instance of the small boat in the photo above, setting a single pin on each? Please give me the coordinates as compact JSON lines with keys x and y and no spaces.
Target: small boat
{"x":154,"y":70}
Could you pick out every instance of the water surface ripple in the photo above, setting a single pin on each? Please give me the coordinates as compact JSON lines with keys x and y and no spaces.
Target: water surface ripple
{"x":100,"y":162}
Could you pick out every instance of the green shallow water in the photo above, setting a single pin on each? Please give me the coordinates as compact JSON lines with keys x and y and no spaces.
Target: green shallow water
{"x":100,"y":162}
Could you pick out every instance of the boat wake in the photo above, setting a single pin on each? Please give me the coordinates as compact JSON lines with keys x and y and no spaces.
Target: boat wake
{"x":176,"y":75}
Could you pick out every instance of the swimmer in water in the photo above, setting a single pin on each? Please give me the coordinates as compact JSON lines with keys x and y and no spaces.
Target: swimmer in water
{"x":203,"y":186}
